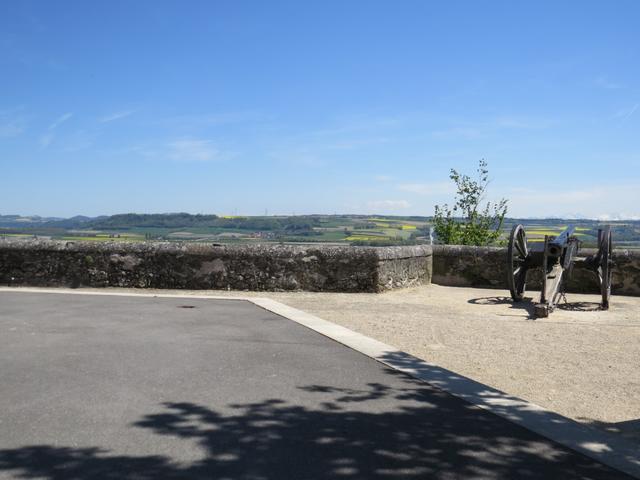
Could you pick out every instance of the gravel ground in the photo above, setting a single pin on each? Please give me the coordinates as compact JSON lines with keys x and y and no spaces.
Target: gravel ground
{"x":580,"y":362}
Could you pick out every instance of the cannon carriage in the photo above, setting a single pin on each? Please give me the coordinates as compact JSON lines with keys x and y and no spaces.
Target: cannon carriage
{"x":556,"y":257}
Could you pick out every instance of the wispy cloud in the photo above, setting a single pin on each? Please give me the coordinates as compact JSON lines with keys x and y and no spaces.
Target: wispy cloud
{"x":78,"y":140}
{"x":330,"y":141}
{"x":60,"y":120}
{"x":182,"y":149}
{"x":518,"y":123}
{"x":603,"y":81}
{"x":193,"y":150}
{"x":624,"y":113}
{"x":116,"y":116}
{"x":205,"y":120}
{"x":12,"y":123}
{"x":359,"y":124}
{"x":592,"y":201}
{"x":299,"y":158}
{"x":383,"y":178}
{"x":435,"y":188}
{"x":388,"y":205}
{"x":470,"y":130}
{"x":48,"y":137}
{"x":467,"y":133}
{"x":11,"y":128}
{"x":357,"y":143}
{"x":617,"y":216}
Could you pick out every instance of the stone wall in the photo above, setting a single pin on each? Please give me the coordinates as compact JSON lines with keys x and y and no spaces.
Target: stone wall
{"x":207,"y":266}
{"x":486,"y":267}
{"x":277,"y":267}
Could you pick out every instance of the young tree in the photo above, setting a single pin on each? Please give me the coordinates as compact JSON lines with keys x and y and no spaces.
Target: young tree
{"x":467,"y":222}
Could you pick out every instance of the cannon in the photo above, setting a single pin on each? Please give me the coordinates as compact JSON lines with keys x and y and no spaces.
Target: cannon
{"x":556,"y":257}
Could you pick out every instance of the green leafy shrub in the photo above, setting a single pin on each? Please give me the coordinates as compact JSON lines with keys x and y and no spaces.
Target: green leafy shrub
{"x":467,"y":222}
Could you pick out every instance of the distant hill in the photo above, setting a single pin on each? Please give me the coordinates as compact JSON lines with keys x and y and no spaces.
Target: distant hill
{"x":18,"y":221}
{"x":79,"y":221}
{"x":185,"y":220}
{"x":158,"y":220}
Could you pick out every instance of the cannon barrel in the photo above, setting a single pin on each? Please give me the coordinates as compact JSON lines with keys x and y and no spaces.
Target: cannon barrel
{"x":556,"y":245}
{"x":556,"y":256}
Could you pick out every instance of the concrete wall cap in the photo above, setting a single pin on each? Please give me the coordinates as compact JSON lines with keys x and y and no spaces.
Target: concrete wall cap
{"x":261,"y":249}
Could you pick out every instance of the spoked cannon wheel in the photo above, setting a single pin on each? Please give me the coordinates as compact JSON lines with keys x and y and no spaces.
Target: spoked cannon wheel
{"x":604,"y":270}
{"x":517,"y":256}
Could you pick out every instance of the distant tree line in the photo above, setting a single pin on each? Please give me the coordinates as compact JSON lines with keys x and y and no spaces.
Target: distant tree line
{"x":128,"y":221}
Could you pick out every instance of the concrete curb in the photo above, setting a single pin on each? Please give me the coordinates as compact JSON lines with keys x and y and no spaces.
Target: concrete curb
{"x":601,"y":446}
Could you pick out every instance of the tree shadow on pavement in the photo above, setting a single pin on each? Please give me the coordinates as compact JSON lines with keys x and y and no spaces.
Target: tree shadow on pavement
{"x":415,"y":431}
{"x":628,"y":428}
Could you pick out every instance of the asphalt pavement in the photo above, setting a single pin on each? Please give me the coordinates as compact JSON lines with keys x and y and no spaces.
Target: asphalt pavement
{"x":124,"y":387}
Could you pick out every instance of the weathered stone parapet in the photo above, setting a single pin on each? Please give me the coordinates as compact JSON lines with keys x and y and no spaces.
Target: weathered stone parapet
{"x":466,"y":266}
{"x":626,"y":271}
{"x":403,"y":266}
{"x":463,"y":266}
{"x":263,"y":267}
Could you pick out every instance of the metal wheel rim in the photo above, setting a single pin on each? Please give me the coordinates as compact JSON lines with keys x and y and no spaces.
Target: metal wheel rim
{"x":604,"y":269}
{"x":517,"y":254}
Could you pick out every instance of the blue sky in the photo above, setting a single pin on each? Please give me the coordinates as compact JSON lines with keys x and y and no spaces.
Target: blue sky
{"x":317,"y":107}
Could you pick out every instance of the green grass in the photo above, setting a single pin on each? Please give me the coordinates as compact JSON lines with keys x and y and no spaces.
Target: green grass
{"x":77,"y":238}
{"x":334,"y":236}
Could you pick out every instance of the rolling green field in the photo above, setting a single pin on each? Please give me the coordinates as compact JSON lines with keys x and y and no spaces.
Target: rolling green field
{"x":334,"y":229}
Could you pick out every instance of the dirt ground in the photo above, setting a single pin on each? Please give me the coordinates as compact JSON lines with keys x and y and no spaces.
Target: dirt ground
{"x":580,"y":362}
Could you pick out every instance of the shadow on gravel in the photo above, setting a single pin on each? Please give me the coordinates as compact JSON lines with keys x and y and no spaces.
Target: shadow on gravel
{"x":580,"y":306}
{"x":429,"y":434}
{"x":526,"y":305}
